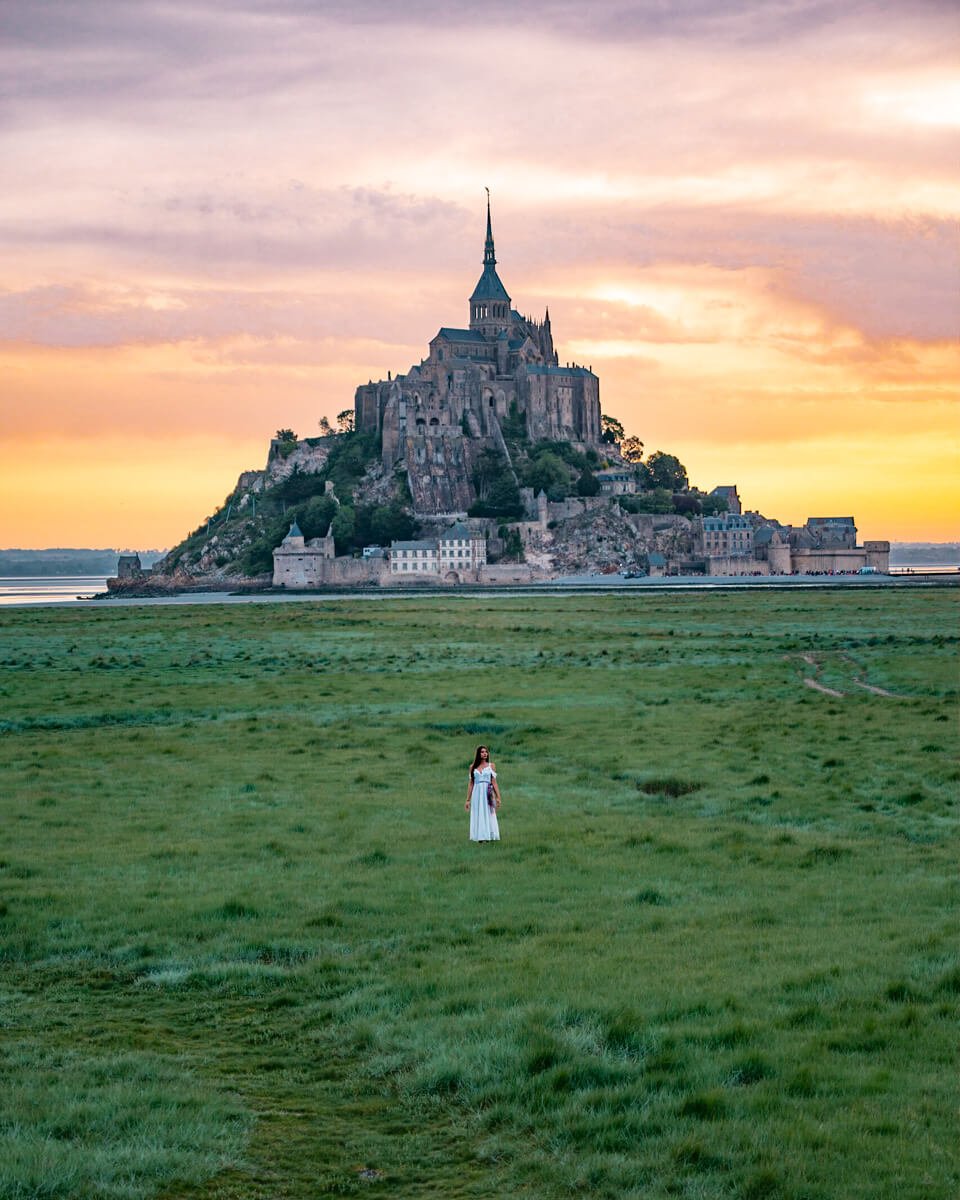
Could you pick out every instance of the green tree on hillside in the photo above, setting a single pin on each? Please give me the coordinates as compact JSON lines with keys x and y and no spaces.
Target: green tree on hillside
{"x":497,"y":492}
{"x":659,"y":500}
{"x":710,"y":506}
{"x":514,"y":425}
{"x":588,"y":484}
{"x":612,"y":430}
{"x":488,"y":468}
{"x":667,"y":471}
{"x":298,"y":485}
{"x":381,"y":524}
{"x":315,"y":515}
{"x":343,"y":527}
{"x":549,"y":473}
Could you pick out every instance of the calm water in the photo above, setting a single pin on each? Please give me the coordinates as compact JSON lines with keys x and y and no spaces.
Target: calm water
{"x":42,"y":589}
{"x":919,"y":569}
{"x":49,"y":589}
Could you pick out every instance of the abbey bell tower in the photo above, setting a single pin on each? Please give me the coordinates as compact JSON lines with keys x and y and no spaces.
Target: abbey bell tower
{"x":489,"y":304}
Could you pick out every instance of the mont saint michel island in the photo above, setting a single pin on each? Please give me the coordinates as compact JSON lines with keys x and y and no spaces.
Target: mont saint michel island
{"x":489,"y":462}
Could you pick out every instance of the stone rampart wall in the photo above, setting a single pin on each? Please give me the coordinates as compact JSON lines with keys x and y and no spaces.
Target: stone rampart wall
{"x":736,"y":564}
{"x":820,"y":562}
{"x":574,"y":506}
{"x":298,"y":569}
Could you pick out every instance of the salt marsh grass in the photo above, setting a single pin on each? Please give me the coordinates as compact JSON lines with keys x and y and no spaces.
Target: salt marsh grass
{"x":248,"y":952}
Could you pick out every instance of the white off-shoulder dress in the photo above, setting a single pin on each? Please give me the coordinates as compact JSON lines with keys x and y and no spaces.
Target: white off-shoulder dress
{"x":483,"y":817}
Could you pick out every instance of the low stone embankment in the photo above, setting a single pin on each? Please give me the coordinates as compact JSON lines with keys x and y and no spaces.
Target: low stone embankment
{"x":180,"y":581}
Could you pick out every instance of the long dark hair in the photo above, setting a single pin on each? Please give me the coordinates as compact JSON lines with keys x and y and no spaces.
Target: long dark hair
{"x":476,"y":759}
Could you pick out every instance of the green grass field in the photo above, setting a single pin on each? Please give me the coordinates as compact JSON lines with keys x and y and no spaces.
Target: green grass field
{"x":247,"y":952}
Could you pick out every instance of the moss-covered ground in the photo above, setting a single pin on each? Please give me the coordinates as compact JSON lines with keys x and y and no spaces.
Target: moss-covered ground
{"x":247,"y":952}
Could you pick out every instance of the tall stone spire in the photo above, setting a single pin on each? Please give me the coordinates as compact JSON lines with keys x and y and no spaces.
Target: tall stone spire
{"x":488,"y":255}
{"x":489,"y":304}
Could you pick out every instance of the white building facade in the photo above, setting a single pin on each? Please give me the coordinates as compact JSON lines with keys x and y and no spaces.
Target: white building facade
{"x":411,"y":558}
{"x":453,"y":556}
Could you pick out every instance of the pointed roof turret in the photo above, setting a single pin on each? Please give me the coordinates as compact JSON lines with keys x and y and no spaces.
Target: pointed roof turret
{"x":489,"y":304}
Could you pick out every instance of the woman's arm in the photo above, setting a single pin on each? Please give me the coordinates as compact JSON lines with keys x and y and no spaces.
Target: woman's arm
{"x":494,"y":784}
{"x":469,"y":790}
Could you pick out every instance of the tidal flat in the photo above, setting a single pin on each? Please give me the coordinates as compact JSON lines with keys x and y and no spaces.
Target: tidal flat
{"x":248,"y":952}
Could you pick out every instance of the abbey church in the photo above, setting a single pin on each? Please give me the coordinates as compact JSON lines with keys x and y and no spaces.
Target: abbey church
{"x":438,"y":418}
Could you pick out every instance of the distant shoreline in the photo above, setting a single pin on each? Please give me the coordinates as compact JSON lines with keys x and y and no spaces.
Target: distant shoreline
{"x":573,"y":585}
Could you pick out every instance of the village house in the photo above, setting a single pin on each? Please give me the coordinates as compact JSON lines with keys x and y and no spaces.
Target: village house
{"x":616,"y":481}
{"x":728,"y":492}
{"x":457,"y":554}
{"x":727,"y":535}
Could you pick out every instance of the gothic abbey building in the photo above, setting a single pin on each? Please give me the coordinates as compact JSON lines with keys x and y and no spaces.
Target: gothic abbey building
{"x":439,"y":417}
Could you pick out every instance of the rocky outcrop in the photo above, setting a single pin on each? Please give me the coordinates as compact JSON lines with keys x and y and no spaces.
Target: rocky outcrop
{"x":602,"y":538}
{"x":440,"y":470}
{"x":178,"y":582}
{"x":308,"y":456}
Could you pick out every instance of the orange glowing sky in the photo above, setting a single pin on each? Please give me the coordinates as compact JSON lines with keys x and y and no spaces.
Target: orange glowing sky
{"x":218,"y":218}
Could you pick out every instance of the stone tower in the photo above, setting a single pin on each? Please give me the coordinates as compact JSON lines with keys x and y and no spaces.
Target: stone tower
{"x":438,"y":418}
{"x":489,"y":304}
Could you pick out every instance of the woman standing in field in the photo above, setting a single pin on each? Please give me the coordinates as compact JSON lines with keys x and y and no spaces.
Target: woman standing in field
{"x":483,"y":798}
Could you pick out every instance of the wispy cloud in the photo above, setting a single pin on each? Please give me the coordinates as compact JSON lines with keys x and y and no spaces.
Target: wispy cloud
{"x":226,"y":216}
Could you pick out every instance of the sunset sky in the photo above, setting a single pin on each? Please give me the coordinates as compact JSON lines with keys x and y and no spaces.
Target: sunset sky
{"x":217,"y":218}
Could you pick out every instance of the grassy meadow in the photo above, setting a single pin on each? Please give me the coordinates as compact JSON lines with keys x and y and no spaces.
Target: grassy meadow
{"x":247,"y":951}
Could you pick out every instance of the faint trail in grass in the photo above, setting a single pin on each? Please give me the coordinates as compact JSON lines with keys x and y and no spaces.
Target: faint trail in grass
{"x":878,"y":691}
{"x":822,"y":687}
{"x":858,"y":680}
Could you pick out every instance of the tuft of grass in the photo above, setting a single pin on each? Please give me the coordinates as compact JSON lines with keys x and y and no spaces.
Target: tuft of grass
{"x":235,"y":910}
{"x":692,"y":1154}
{"x":704,"y":1106}
{"x":374,"y":858}
{"x":669,"y":786}
{"x":749,"y":1070}
{"x":762,"y":1185}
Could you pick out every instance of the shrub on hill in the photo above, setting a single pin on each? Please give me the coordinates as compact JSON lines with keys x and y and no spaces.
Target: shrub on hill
{"x":298,"y":485}
{"x":514,"y":425}
{"x":657,"y":501}
{"x":315,"y":515}
{"x":497,"y":492}
{"x":711,"y":506}
{"x":573,"y":457}
{"x":547,"y":471}
{"x":588,"y":484}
